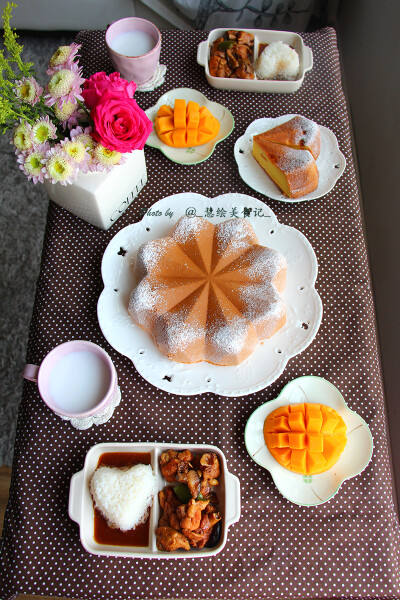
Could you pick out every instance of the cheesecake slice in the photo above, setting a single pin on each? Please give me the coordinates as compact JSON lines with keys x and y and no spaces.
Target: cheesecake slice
{"x":294,"y":171}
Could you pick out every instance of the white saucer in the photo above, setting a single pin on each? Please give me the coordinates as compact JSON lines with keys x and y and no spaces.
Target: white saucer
{"x":196,"y":154}
{"x":311,"y":490}
{"x":269,"y":359}
{"x":331,"y":163}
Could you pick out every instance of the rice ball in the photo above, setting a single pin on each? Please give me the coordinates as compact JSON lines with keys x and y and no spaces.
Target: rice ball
{"x":278,"y":61}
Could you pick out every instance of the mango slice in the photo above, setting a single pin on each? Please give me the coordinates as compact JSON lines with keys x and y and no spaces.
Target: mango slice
{"x":305,"y":438}
{"x":185,"y":126}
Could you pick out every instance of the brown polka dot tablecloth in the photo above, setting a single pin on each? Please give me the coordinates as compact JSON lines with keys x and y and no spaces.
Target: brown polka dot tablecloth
{"x":346,"y":548}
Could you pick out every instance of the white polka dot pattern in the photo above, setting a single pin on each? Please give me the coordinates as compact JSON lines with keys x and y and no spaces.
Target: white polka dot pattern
{"x":348,"y":547}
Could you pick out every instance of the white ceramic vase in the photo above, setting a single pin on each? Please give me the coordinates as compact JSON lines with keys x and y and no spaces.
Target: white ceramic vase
{"x":101,"y":198}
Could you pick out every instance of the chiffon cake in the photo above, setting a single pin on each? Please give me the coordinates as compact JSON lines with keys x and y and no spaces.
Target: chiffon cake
{"x":209,"y":292}
{"x":287,"y":153}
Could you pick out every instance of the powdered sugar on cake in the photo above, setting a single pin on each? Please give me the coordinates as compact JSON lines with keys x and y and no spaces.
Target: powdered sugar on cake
{"x":216,"y":312}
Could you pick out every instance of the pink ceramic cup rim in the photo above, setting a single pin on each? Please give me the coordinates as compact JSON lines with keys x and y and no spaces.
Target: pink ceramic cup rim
{"x":62,"y":350}
{"x":133,"y":20}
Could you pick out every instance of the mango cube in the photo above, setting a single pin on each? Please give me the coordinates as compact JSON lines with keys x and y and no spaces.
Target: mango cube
{"x":296,"y":421}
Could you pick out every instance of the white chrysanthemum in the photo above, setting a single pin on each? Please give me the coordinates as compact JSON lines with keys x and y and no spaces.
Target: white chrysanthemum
{"x":28,"y":90}
{"x":59,"y":167}
{"x":65,"y":86}
{"x":64,"y":112}
{"x":63,"y":57}
{"x":76,"y":150}
{"x":22,"y":137}
{"x":107,"y":158}
{"x":32,"y":163}
{"x":42,"y":130}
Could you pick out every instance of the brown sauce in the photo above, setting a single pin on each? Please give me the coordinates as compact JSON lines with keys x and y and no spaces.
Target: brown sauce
{"x":103,"y":534}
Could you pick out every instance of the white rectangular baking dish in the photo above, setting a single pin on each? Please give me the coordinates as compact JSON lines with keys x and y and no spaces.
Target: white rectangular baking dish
{"x":261,"y":36}
{"x":80,"y":506}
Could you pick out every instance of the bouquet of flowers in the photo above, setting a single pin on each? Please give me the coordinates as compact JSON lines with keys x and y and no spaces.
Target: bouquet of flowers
{"x":73,"y":125}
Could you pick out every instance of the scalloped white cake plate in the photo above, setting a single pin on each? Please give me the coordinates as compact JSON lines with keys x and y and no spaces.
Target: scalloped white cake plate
{"x":331,"y":163}
{"x":196,"y":154}
{"x":311,"y":490}
{"x":267,"y":362}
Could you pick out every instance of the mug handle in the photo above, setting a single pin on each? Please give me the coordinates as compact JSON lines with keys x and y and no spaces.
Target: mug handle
{"x":30,"y":373}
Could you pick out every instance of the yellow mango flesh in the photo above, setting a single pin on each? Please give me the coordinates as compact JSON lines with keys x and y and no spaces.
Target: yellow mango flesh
{"x":185,"y":126}
{"x":305,"y":438}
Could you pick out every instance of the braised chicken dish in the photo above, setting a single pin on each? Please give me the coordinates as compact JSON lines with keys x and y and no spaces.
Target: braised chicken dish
{"x":190,"y":516}
{"x":232,"y":55}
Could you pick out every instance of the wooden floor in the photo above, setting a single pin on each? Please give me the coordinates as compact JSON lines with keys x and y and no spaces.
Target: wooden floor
{"x":5,"y":474}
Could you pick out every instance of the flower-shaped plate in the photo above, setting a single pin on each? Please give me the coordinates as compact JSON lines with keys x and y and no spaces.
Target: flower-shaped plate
{"x":331,"y":163}
{"x":311,"y":490}
{"x":267,"y":362}
{"x":196,"y":154}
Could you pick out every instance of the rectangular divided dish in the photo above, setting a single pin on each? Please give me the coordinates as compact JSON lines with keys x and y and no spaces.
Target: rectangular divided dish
{"x":261,"y":36}
{"x":80,"y":506}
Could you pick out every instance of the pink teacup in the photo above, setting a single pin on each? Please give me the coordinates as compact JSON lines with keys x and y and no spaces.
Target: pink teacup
{"x":76,"y":380}
{"x":134,"y":47}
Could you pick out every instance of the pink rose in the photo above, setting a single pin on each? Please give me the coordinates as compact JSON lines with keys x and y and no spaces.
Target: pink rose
{"x":101,"y":87}
{"x":119,"y":124}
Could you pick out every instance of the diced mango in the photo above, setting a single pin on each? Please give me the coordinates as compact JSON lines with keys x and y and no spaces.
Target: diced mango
{"x":281,"y":424}
{"x":313,"y":418}
{"x":180,"y":114}
{"x":297,"y":440}
{"x":278,"y":440}
{"x":305,"y":438}
{"x":296,"y":421}
{"x":198,"y":125}
{"x":316,"y":463}
{"x":165,"y":111}
{"x":315,"y":442}
{"x":164,"y":124}
{"x":298,"y":461}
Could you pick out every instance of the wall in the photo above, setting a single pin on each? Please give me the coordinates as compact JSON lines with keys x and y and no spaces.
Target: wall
{"x":369,"y":44}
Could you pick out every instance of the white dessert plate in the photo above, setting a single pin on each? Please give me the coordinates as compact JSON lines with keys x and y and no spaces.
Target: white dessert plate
{"x":331,"y":163}
{"x":311,"y":490}
{"x":195,"y":154}
{"x":268,"y":361}
{"x":80,"y":505}
{"x":261,"y":36}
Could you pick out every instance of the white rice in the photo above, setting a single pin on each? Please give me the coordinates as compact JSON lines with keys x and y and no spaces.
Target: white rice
{"x":123,"y":495}
{"x":278,"y":61}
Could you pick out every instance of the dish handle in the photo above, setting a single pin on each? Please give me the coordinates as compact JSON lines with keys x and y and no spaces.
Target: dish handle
{"x":307,"y":58}
{"x":76,"y":497}
{"x":202,"y":50}
{"x":232,"y":499}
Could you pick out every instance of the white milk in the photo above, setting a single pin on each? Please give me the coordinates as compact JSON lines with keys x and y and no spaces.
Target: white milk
{"x":79,"y":381}
{"x":133,"y":43}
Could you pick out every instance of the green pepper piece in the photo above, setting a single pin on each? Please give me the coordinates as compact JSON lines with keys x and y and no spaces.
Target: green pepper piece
{"x":182,"y":493}
{"x":227,"y":44}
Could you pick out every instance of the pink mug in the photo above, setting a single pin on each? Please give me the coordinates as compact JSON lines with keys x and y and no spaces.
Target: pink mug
{"x":134,"y":46}
{"x":76,"y":380}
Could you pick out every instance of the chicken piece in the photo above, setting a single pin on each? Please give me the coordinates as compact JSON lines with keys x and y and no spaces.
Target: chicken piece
{"x":168,"y":503}
{"x":232,"y":58}
{"x":245,"y":71}
{"x":215,"y":47}
{"x":231,"y":34}
{"x":190,"y":477}
{"x":218,"y":67}
{"x":243,"y":53}
{"x":209,"y":466}
{"x":170,"y":540}
{"x":243,"y":37}
{"x":199,"y":537}
{"x":169,"y":463}
{"x":189,"y":514}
